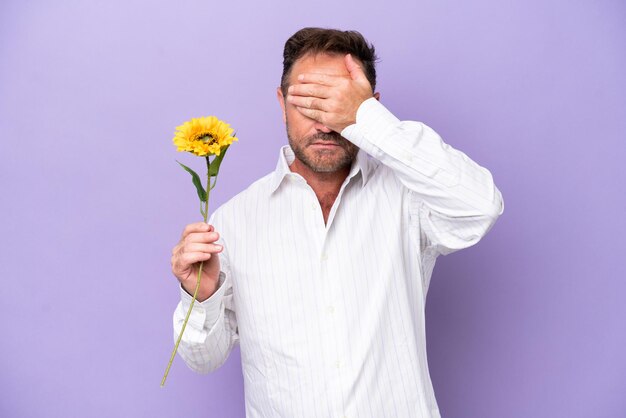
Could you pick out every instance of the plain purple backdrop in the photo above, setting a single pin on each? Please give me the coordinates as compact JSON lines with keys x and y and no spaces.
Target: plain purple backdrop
{"x":531,"y":322}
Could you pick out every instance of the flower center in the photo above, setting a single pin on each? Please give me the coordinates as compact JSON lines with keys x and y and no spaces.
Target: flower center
{"x":207,"y":137}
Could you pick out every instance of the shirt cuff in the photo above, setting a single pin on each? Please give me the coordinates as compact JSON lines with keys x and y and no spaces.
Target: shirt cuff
{"x":204,"y":314}
{"x":373,"y":121}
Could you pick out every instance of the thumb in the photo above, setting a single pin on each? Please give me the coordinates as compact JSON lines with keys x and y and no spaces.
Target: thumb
{"x":355,"y":70}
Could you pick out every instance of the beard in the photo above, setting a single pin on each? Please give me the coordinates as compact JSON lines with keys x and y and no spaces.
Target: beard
{"x":324,"y":160}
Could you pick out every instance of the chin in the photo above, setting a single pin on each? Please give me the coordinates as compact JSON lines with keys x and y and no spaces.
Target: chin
{"x":324,"y":165}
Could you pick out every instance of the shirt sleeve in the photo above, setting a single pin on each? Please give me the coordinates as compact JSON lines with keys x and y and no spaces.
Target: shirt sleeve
{"x":453,"y":198}
{"x":211,"y":332}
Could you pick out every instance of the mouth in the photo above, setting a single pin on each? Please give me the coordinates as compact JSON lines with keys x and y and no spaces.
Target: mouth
{"x":325,"y":144}
{"x":325,"y":147}
{"x":322,"y":141}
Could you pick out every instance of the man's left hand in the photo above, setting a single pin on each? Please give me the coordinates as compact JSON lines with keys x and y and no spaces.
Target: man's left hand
{"x":331,"y":99}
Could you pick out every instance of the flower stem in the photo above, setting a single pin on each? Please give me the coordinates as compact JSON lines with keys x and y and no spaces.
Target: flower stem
{"x":195,"y":293}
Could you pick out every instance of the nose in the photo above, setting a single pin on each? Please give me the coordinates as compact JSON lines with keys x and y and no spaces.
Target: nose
{"x":322,"y":128}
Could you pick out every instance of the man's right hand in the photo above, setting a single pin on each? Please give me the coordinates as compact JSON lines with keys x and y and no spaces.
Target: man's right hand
{"x":197,"y":244}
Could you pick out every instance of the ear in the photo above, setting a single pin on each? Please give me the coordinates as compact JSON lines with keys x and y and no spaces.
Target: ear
{"x":281,"y":101}
{"x":377,"y":96}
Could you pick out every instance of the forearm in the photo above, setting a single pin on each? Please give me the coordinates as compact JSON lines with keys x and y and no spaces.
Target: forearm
{"x":447,"y":179}
{"x":453,"y":201}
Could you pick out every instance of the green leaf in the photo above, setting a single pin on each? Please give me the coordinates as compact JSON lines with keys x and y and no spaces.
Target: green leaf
{"x":196,"y":182}
{"x":214,"y":168}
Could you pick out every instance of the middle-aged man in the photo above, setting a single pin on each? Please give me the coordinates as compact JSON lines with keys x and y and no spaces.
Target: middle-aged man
{"x":320,"y":269}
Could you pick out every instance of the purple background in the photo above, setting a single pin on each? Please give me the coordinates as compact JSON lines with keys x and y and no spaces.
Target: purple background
{"x":528,"y":323}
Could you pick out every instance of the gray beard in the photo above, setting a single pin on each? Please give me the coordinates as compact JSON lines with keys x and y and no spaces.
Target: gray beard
{"x":319,"y":164}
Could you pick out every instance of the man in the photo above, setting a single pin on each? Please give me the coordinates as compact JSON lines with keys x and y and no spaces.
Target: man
{"x":320,"y":269}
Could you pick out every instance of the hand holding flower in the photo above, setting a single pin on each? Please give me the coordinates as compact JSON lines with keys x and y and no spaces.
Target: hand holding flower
{"x":197,"y":245}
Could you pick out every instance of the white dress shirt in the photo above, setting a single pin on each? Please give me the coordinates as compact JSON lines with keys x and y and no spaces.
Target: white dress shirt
{"x":330,"y":318}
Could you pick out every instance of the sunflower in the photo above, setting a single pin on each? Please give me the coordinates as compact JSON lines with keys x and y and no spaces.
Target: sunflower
{"x":203,"y":136}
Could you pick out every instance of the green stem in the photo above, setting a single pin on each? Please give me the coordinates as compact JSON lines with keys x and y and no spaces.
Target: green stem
{"x":195,"y":293}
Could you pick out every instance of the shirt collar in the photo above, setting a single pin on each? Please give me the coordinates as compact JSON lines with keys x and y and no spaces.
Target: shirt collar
{"x":286,"y":156}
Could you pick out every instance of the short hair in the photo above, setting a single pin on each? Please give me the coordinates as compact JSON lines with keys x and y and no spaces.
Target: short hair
{"x":330,"y":41}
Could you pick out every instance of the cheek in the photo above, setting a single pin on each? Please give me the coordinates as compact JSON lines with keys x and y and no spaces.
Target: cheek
{"x":292,"y":112}
{"x":297,"y":121}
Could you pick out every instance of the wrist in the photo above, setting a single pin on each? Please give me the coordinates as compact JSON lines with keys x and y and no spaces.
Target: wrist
{"x":205,"y":291}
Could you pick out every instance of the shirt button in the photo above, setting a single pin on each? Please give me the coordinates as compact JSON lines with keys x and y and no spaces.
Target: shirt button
{"x":324,"y":257}
{"x":338,"y":364}
{"x":330,"y":310}
{"x":313,"y":206}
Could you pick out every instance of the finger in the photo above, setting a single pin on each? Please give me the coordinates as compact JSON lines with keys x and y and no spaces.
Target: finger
{"x":196,"y":247}
{"x":196,"y":227}
{"x":203,"y":237}
{"x":312,"y":90}
{"x":312,"y":114}
{"x":184,"y":261}
{"x":320,"y":78}
{"x":355,"y":70}
{"x":307,"y":102}
{"x":188,"y":259}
